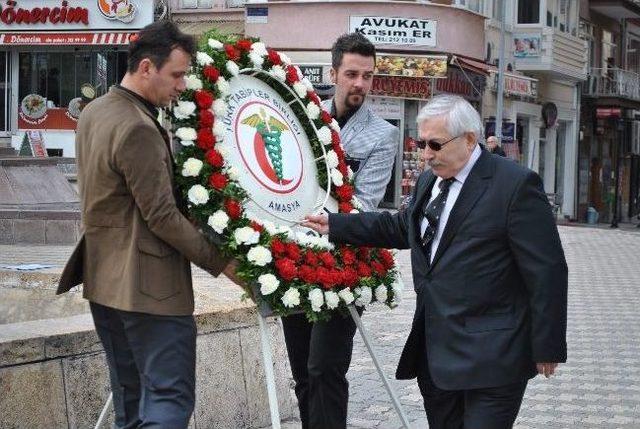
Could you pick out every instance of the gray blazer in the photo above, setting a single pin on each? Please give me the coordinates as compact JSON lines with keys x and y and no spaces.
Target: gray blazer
{"x":373,"y":142}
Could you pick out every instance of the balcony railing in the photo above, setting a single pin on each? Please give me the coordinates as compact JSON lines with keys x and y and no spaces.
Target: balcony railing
{"x":612,"y":82}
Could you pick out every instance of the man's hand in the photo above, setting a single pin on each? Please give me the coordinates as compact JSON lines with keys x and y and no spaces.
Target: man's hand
{"x":547,"y":369}
{"x":230,"y":272}
{"x":319,"y":223}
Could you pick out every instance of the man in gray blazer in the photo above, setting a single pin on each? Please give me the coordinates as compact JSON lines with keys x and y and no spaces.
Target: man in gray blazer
{"x":320,"y":353}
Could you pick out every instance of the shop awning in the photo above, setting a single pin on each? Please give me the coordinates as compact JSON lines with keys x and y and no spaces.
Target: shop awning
{"x":473,"y":65}
{"x":199,"y":28}
{"x":65,"y":38}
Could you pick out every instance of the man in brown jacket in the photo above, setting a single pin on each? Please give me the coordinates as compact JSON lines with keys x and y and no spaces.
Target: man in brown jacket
{"x":133,"y":258}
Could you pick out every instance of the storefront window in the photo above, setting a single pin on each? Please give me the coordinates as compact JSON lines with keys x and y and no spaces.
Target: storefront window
{"x":58,"y":76}
{"x":528,"y":11}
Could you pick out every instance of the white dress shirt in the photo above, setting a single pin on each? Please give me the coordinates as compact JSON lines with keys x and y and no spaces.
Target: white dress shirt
{"x":454,"y":192}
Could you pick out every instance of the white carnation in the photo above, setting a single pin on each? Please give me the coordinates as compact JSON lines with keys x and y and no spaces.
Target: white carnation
{"x":346,"y":295}
{"x":218,"y":221}
{"x":259,"y":48}
{"x":284,"y":58}
{"x":203,"y":59}
{"x":313,"y":111}
{"x":256,"y":59}
{"x":381,"y":294}
{"x":307,"y":83}
{"x":364,"y":296}
{"x":223,"y":86}
{"x":186,"y":142}
{"x":259,"y":255}
{"x":198,"y":195}
{"x":316,"y":298}
{"x":332,"y":299}
{"x":355,"y":202}
{"x":246,"y":235}
{"x":349,"y":172}
{"x":218,"y":129}
{"x":268,"y":284}
{"x":269,"y":226}
{"x":191,"y":167}
{"x":324,"y":135}
{"x":186,"y":133}
{"x":184,"y":109}
{"x":300,"y":89}
{"x":193,"y":82}
{"x":278,"y":72}
{"x":291,"y":298}
{"x":219,"y":107}
{"x":233,"y":68}
{"x":332,"y":159}
{"x":334,"y":125}
{"x":336,"y":177}
{"x":215,"y":44}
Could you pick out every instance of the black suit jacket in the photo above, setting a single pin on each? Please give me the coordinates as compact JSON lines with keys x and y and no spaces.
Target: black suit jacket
{"x":494,"y":300}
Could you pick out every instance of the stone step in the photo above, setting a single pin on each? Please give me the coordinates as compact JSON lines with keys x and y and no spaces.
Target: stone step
{"x":6,"y":152}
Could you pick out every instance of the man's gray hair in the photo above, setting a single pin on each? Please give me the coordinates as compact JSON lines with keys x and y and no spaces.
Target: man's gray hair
{"x":461,"y":117}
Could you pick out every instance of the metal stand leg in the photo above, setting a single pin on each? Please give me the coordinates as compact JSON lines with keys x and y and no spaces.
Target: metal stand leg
{"x":367,"y":342}
{"x":267,"y":359}
{"x":103,"y":413}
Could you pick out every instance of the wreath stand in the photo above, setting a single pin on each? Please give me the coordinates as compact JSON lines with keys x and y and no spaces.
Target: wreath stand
{"x":267,"y":360}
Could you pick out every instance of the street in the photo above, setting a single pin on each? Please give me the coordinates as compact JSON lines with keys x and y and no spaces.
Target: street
{"x":598,"y":387}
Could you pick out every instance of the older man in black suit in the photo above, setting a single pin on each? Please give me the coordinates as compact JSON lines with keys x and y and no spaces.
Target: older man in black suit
{"x":488,"y":268}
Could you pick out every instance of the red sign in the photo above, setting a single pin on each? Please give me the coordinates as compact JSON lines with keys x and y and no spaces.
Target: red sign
{"x":55,"y":119}
{"x":608,"y":112}
{"x":29,"y":39}
{"x":10,"y":14}
{"x":399,"y":86}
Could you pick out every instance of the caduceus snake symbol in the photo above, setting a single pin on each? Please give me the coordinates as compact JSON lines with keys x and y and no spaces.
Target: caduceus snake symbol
{"x":270,"y":130}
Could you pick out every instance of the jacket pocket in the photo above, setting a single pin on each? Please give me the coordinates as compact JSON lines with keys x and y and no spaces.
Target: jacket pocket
{"x":489,"y":322}
{"x":157,"y":269}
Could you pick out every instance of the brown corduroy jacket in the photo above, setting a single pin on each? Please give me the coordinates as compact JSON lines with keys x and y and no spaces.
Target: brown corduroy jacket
{"x":136,"y":245}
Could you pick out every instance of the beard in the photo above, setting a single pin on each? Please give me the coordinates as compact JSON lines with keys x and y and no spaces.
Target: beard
{"x":358,"y":96}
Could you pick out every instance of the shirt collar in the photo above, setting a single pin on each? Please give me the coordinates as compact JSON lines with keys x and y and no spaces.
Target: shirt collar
{"x":152,"y":109}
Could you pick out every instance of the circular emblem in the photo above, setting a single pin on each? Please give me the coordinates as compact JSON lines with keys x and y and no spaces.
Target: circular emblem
{"x":121,"y":10}
{"x":267,"y":142}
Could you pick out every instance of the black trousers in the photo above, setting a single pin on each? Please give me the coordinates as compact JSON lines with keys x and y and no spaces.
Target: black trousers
{"x":152,"y":362}
{"x":489,"y":408}
{"x":320,"y":355}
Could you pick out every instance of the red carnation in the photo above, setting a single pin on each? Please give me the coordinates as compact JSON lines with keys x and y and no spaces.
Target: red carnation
{"x":292,"y":75}
{"x":350,"y":277}
{"x":327,"y":259}
{"x":335,"y":137}
{"x":204,"y":99}
{"x":233,"y":54}
{"x":336,"y":276}
{"x":274,"y":57}
{"x":214,"y":158}
{"x":387,"y":258}
{"x":218,"y":181}
{"x":363,"y":269}
{"x":293,"y":251}
{"x":286,"y":268}
{"x":278,"y":247}
{"x":256,"y":226}
{"x":339,"y":151}
{"x":314,"y":97}
{"x":378,"y":268}
{"x":345,"y":192}
{"x":233,"y":208}
{"x":342,"y":168}
{"x":363,"y":254}
{"x":324,"y":277}
{"x":345,"y":207}
{"x":307,"y":274}
{"x":325,"y":116}
{"x":206,"y":118}
{"x":244,"y":44}
{"x":310,"y":258}
{"x":206,"y":139}
{"x":211,"y":72}
{"x":348,"y":256}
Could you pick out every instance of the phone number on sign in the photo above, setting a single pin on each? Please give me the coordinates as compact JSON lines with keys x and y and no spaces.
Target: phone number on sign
{"x":393,"y":39}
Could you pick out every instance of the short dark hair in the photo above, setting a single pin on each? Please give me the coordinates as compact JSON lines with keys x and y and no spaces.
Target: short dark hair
{"x":352,"y":43}
{"x":156,"y":42}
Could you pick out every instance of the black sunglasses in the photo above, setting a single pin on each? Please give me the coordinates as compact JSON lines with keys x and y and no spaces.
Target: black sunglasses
{"x":434,"y":145}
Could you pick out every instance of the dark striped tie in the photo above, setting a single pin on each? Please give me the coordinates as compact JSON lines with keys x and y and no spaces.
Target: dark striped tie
{"x":433,"y":211}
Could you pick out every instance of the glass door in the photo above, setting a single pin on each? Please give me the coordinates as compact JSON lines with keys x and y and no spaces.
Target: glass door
{"x":5,"y":94}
